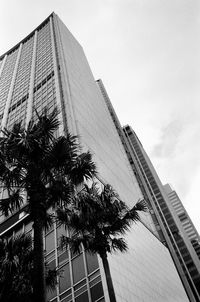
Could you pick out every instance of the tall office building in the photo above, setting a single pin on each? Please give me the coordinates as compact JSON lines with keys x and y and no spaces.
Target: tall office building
{"x":46,"y":69}
{"x":184,"y":218}
{"x":171,"y":231}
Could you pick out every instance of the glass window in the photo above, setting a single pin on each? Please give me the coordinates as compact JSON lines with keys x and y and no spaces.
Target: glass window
{"x":61,"y":231}
{"x":74,"y":254}
{"x":92,"y":262}
{"x":78,"y":268}
{"x":95,"y":281}
{"x":96,"y":291}
{"x":82,"y":298}
{"x":51,"y":294}
{"x":49,"y":240}
{"x":51,"y":265}
{"x":66,"y":294}
{"x":80,"y":284}
{"x":67,"y":299}
{"x":80,"y":290}
{"x":63,"y":257}
{"x":64,"y":278}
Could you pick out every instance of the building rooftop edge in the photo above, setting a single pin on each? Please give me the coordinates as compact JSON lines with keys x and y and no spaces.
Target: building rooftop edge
{"x":24,"y":39}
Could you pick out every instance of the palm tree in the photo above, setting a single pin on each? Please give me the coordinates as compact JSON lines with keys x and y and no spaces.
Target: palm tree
{"x":98,"y":220}
{"x":45,"y":169}
{"x":16,"y":266}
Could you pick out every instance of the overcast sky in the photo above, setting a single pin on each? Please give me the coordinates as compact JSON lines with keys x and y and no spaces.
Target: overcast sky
{"x":147,"y":52}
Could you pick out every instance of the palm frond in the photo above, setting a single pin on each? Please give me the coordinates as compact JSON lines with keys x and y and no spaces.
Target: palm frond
{"x":59,"y":192}
{"x":12,"y":203}
{"x":23,"y":243}
{"x":119,"y":244}
{"x":16,"y":251}
{"x":141,"y":205}
{"x":51,"y":278}
{"x":132,"y":215}
{"x":46,"y":125}
{"x":84,"y":168}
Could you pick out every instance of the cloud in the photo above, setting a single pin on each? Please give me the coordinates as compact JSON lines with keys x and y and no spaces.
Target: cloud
{"x":176,"y":156}
{"x":169,"y":140}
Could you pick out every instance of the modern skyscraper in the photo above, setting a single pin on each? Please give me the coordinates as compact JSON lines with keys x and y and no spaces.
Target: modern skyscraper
{"x":46,"y":69}
{"x":184,"y":218}
{"x":172,"y":231}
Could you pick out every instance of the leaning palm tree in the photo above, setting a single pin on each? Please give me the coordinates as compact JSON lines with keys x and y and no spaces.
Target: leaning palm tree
{"x":45,"y":169}
{"x":99,"y":220}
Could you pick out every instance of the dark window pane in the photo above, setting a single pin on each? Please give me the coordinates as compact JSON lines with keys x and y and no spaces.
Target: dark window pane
{"x":49,"y":242}
{"x":28,"y":227}
{"x":74,"y":254}
{"x":63,"y":257}
{"x":82,"y":298}
{"x":51,"y":294}
{"x":94,"y":281}
{"x":96,"y":291}
{"x":78,"y":268}
{"x":68,"y":299}
{"x":64,"y":279}
{"x":80,"y":290}
{"x":51,"y":265}
{"x":61,"y":231}
{"x":67,"y":293}
{"x":94,"y":275}
{"x":183,"y":216}
{"x":80,"y":284}
{"x":50,"y":256}
{"x":92,"y":262}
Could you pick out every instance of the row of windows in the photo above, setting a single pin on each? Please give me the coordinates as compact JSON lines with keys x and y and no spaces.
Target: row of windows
{"x":17,"y":115}
{"x":22,"y":78}
{"x":79,"y":274}
{"x":23,"y":74}
{"x":40,"y":76}
{"x":6,"y":78}
{"x":21,"y":86}
{"x":183,"y":216}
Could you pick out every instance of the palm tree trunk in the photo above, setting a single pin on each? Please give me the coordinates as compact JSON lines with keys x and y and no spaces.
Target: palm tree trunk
{"x":106,"y":267}
{"x":39,"y":286}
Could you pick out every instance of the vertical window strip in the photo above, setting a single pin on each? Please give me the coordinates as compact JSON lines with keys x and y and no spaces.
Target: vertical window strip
{"x":31,"y":83}
{"x":5,"y":115}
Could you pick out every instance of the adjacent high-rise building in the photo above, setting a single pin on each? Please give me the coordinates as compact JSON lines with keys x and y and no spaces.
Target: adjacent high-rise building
{"x":184,"y":218}
{"x":48,"y":68}
{"x":170,"y":229}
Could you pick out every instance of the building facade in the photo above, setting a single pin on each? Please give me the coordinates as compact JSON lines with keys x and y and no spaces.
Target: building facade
{"x":184,"y":218}
{"x":169,"y":227}
{"x":46,"y":69}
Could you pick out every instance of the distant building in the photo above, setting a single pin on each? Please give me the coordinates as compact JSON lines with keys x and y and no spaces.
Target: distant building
{"x":48,"y":68}
{"x":169,"y":227}
{"x":184,"y":218}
